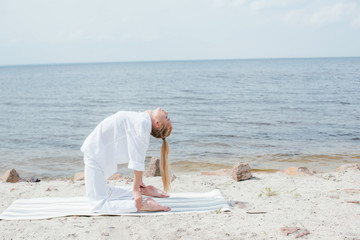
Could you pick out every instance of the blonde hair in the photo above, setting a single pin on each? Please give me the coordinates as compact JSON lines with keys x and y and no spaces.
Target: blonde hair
{"x":163,"y":132}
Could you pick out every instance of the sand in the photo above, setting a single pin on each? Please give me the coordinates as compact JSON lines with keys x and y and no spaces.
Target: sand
{"x":315,"y":203}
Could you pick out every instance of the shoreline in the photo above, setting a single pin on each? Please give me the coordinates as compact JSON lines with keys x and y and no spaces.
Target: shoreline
{"x":324,"y":204}
{"x":68,"y":166}
{"x":195,"y":168}
{"x":125,"y":172}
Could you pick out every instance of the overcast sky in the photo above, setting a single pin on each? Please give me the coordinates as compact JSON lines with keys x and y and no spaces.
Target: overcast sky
{"x":67,"y":31}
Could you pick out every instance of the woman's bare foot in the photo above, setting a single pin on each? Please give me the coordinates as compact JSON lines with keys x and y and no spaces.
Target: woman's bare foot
{"x":152,"y":191}
{"x":150,"y":205}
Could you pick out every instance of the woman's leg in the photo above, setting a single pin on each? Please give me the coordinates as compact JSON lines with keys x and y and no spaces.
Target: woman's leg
{"x":123,"y":192}
{"x":120,"y":199}
{"x":95,"y":184}
{"x":101,"y":197}
{"x":112,"y":200}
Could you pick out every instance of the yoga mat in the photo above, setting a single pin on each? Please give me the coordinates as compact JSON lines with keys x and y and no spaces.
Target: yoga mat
{"x":45,"y":208}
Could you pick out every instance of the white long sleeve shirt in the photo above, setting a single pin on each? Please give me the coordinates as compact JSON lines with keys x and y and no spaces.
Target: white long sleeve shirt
{"x":120,"y":138}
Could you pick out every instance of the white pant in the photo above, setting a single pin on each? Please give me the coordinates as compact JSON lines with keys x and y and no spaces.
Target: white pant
{"x":103,"y":198}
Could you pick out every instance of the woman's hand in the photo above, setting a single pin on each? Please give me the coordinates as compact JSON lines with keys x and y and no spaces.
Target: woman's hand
{"x":138,"y":184}
{"x":138,"y":199}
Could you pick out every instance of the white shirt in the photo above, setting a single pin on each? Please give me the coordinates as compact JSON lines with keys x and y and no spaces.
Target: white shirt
{"x":120,"y":138}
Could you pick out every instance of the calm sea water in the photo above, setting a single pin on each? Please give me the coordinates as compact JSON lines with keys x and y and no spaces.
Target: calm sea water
{"x":271,"y":113}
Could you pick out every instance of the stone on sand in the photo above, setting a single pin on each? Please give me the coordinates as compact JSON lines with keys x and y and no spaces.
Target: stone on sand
{"x":347,"y":167}
{"x":11,"y":176}
{"x":289,"y":230}
{"x":172,"y":177}
{"x":298,"y":171}
{"x":241,"y":171}
{"x":154,"y":168}
{"x":116,"y":176}
{"x":79,"y":176}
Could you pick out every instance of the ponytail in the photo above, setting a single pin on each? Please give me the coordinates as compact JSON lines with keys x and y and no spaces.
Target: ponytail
{"x":164,"y":165}
{"x":163,"y":132}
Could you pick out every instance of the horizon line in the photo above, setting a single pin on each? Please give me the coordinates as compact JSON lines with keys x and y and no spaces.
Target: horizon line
{"x":176,"y":60}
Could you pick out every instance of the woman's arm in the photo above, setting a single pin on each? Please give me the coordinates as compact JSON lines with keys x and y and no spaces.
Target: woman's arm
{"x":136,"y":188}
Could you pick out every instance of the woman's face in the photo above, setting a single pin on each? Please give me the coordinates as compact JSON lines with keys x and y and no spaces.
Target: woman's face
{"x":161,"y":117}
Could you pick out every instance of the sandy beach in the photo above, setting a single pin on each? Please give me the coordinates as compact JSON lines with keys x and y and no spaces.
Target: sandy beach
{"x":324,"y":205}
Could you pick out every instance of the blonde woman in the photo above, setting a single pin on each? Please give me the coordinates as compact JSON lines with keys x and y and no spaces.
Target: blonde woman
{"x":124,"y":138}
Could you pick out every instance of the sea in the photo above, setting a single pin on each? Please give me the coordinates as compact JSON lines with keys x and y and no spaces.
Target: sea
{"x":270,"y":113}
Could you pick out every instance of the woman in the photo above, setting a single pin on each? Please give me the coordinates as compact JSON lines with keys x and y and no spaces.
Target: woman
{"x":124,"y":138}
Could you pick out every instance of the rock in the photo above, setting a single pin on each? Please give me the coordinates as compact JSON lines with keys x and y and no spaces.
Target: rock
{"x":79,"y":176}
{"x":116,"y":176}
{"x":220,"y":172}
{"x":173,"y":177}
{"x":330,"y":176}
{"x":305,"y":171}
{"x":240,"y":205}
{"x":303,"y":233}
{"x":348,"y":167}
{"x":292,"y":171}
{"x":301,"y":171}
{"x":351,"y":191}
{"x":11,"y":176}
{"x":34,"y":179}
{"x":289,"y":230}
{"x":241,"y":171}
{"x":154,"y":168}
{"x":128,"y":180}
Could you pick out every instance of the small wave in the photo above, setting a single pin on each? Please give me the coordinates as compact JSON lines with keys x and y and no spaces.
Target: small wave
{"x":256,"y":123}
{"x":217,"y":144}
{"x":222,"y":135}
{"x":341,"y":135}
{"x":100,"y":102}
{"x":191,"y":166}
{"x":306,"y":158}
{"x":11,"y":104}
{"x":221,"y":76}
{"x":264,"y":170}
{"x":188,"y":91}
{"x":285,"y":122}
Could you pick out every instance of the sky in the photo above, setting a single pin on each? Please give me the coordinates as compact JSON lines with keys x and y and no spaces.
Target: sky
{"x":75,"y":31}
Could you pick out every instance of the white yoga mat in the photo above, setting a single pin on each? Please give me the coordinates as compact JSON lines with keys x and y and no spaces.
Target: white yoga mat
{"x":45,"y":208}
